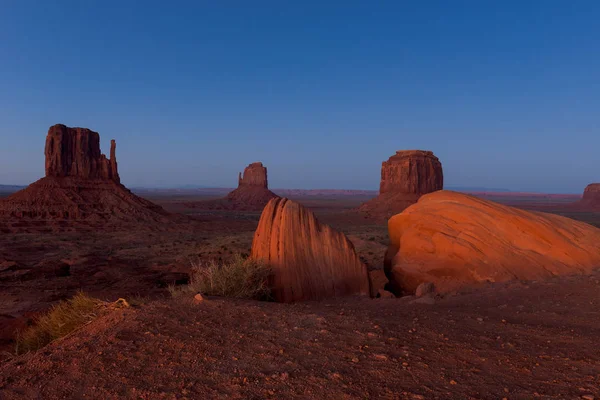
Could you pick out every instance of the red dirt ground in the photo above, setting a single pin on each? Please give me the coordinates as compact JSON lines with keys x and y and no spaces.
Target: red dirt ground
{"x":517,"y":341}
{"x":171,"y":349}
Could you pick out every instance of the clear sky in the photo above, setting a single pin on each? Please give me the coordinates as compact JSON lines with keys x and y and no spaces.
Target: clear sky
{"x":506,"y":93}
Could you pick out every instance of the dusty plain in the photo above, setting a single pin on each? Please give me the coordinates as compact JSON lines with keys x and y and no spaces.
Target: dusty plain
{"x":513,"y":340}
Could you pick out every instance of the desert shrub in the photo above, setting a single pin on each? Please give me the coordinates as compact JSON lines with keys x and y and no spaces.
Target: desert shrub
{"x":59,"y":321}
{"x":240,"y":278}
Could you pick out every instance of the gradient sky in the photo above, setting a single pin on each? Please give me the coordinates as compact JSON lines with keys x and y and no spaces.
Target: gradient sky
{"x":506,"y":93}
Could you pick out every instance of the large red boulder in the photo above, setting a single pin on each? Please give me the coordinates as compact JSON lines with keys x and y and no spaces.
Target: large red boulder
{"x":453,"y":239}
{"x":310,"y":260}
{"x":405,"y":176}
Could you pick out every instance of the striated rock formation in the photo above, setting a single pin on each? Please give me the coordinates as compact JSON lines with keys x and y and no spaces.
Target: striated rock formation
{"x":452,"y":239}
{"x":252,"y":193}
{"x":310,"y":261}
{"x":415,"y":172}
{"x":591,"y":196}
{"x":255,"y":174}
{"x":81,"y":184}
{"x":76,"y":152}
{"x":405,"y":177}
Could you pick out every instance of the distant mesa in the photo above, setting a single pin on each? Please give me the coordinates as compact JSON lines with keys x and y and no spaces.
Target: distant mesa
{"x":255,"y":175}
{"x":252,"y":193}
{"x":81,"y":184}
{"x":253,"y":188}
{"x":405,"y":176}
{"x":591,"y":196}
{"x":453,"y":240}
{"x":310,"y":260}
{"x":75,"y":152}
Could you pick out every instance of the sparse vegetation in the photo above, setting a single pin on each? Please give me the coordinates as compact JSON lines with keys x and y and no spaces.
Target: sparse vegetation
{"x":241,"y":277}
{"x":62,"y":319}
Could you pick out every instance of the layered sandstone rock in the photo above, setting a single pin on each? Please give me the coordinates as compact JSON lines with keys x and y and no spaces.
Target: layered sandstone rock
{"x":75,"y":152}
{"x":405,"y":177}
{"x":452,"y":239}
{"x":81,"y":184}
{"x":255,"y":174}
{"x":310,"y":261}
{"x":414,"y":172}
{"x":252,"y":193}
{"x":591,"y":196}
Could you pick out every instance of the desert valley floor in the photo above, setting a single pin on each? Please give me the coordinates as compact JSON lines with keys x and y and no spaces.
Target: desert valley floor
{"x":516,"y":340}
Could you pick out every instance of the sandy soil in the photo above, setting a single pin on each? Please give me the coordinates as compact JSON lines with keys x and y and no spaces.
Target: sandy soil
{"x":520,"y":340}
{"x":355,"y":348}
{"x":134,"y":261}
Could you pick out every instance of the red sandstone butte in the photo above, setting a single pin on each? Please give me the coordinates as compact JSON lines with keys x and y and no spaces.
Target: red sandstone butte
{"x":309,"y":260}
{"x":405,"y":176}
{"x":81,"y":184}
{"x":76,"y":152}
{"x":452,"y":240}
{"x":591,"y":196}
{"x":255,"y":174}
{"x":252,"y":193}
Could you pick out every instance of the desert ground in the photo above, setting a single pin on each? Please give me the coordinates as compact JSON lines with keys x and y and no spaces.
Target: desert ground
{"x":404,"y":350}
{"x":515,"y":340}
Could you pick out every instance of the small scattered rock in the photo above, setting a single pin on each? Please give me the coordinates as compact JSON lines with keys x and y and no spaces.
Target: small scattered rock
{"x":198,"y":298}
{"x":384,"y":294}
{"x":425,"y":288}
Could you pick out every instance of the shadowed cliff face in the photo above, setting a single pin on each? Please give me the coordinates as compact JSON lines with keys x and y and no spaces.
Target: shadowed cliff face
{"x":413,"y":172}
{"x":591,"y":195}
{"x":310,"y":261}
{"x":255,"y":174}
{"x":405,"y":176}
{"x":81,"y":185}
{"x":75,"y":152}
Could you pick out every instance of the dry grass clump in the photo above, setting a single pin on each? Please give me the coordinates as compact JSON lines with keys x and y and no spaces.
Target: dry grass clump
{"x":242,"y":278}
{"x":62,"y":319}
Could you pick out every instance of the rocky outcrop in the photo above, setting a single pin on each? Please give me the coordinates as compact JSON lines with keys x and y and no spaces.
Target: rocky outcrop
{"x":81,"y":185}
{"x":255,"y":175}
{"x":452,"y":239}
{"x":405,"y":177}
{"x":414,"y":172}
{"x":252,"y":193}
{"x":75,"y":152}
{"x":591,"y":196}
{"x":310,"y":260}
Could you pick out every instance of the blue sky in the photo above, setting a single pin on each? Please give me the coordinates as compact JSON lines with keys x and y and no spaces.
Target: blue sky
{"x":506,"y":93}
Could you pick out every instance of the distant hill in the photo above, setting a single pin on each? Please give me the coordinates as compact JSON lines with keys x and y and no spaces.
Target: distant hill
{"x":8,"y":189}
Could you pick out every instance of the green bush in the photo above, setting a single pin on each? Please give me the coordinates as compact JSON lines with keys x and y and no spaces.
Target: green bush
{"x":240,"y":278}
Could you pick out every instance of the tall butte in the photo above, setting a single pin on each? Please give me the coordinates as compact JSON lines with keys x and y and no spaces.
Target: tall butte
{"x":252,"y":193}
{"x":253,"y":188}
{"x":591,"y":196}
{"x":405,"y":177}
{"x":75,"y":152}
{"x":80,"y":185}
